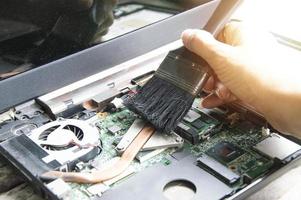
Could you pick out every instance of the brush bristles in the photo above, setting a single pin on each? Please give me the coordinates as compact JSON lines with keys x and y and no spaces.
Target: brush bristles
{"x":161,"y":103}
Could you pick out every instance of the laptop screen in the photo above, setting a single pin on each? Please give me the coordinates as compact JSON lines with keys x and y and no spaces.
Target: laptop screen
{"x":34,"y":33}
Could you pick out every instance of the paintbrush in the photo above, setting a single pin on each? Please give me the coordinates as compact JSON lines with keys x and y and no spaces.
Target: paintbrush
{"x":167,"y":97}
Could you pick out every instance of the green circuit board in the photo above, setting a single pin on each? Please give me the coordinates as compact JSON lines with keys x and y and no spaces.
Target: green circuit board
{"x":243,"y":135}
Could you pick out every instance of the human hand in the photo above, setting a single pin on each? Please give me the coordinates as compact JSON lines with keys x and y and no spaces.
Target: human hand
{"x":248,"y":66}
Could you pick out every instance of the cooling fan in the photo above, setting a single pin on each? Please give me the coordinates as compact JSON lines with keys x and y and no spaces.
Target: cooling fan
{"x":67,"y":141}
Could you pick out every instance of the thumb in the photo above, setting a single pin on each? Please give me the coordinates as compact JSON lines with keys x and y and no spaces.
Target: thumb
{"x":205,"y":45}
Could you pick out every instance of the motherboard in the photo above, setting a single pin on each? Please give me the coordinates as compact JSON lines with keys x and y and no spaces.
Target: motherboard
{"x":214,"y":152}
{"x":223,"y":144}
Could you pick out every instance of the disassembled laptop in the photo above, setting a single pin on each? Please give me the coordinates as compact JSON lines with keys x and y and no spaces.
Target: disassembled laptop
{"x":218,"y":153}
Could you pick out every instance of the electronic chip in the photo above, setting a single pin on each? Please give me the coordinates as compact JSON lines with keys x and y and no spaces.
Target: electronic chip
{"x":121,"y":117}
{"x":258,"y":167}
{"x":191,"y":116}
{"x":114,"y":129}
{"x":188,"y":133}
{"x":277,"y":146}
{"x":219,"y":170}
{"x":198,"y":124}
{"x":225,"y":152}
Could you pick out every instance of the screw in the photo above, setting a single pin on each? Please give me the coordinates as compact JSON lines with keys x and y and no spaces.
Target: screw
{"x":179,"y":139}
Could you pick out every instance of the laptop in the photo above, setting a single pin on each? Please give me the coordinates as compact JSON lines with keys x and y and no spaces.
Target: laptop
{"x":64,"y":127}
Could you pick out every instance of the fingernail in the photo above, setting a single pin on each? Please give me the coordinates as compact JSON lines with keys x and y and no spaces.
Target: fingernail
{"x":186,"y":35}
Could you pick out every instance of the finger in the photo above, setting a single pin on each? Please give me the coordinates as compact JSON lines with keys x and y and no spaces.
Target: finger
{"x":224,"y":93}
{"x":204,"y":44}
{"x":210,"y":85}
{"x":232,"y":34}
{"x":241,"y":34}
{"x":211,"y":101}
{"x":220,"y":96}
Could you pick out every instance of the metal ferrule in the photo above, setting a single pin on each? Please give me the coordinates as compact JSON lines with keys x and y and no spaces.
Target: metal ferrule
{"x":185,"y":70}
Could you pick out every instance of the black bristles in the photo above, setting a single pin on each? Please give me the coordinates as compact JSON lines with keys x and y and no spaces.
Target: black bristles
{"x":161,"y":103}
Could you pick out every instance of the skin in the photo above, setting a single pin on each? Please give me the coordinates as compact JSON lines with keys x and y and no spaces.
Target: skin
{"x":250,"y":66}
